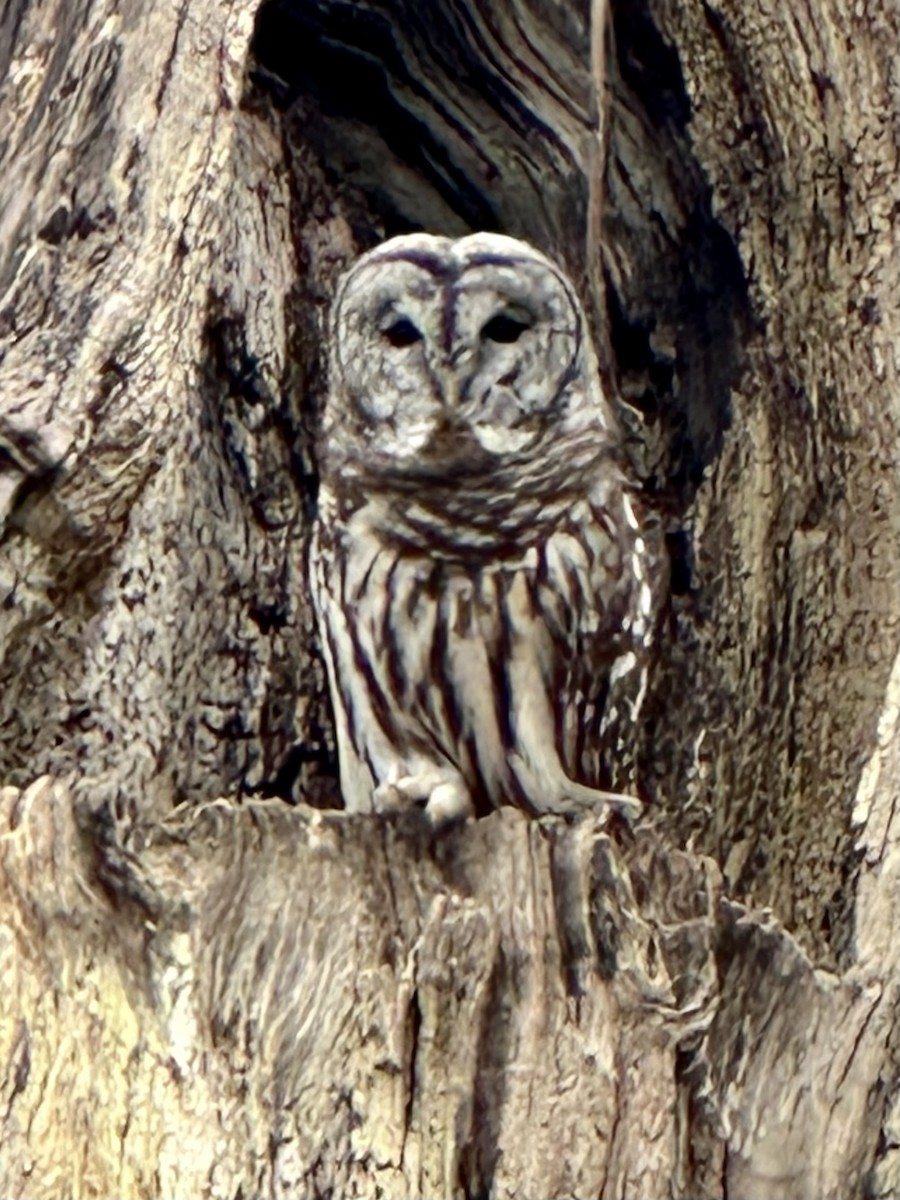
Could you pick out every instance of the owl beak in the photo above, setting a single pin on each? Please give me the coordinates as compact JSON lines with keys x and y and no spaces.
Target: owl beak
{"x":452,"y":373}
{"x":448,"y":387}
{"x":452,"y":395}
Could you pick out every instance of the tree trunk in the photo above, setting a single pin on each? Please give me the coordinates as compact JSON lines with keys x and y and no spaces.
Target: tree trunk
{"x":215,"y":983}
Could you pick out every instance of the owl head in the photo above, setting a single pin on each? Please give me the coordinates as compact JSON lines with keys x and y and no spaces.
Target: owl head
{"x":455,"y":357}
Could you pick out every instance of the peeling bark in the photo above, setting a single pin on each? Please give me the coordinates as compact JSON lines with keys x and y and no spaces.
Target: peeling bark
{"x":213,"y":983}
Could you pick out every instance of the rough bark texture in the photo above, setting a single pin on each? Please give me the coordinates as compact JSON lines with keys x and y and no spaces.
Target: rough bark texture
{"x":211,"y":985}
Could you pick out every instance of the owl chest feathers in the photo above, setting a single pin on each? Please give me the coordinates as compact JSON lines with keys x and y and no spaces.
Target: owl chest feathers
{"x":477,"y":659}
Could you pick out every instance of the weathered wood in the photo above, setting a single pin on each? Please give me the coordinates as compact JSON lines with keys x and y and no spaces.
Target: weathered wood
{"x":288,"y":1001}
{"x":240,"y":997}
{"x":155,"y":631}
{"x":797,"y":529}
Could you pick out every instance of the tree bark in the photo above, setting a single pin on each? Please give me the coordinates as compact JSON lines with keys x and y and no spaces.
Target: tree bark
{"x":214,"y":982}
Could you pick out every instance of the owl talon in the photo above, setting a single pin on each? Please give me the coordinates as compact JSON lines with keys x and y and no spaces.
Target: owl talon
{"x":448,"y":803}
{"x":387,"y":798}
{"x":441,"y":793}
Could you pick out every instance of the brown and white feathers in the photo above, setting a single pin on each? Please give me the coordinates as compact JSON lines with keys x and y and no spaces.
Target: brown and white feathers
{"x":478,"y":571}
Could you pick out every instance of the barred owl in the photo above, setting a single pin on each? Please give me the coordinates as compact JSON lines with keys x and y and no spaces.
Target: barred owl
{"x":478,"y":572}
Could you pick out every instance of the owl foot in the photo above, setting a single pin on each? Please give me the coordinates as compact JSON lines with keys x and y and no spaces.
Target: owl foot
{"x":557,"y":794}
{"x":440,"y":791}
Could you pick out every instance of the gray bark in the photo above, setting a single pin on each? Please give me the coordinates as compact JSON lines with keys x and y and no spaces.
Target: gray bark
{"x":214,"y":983}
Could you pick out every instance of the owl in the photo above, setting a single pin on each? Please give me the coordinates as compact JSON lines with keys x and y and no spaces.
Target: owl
{"x":478,"y":572}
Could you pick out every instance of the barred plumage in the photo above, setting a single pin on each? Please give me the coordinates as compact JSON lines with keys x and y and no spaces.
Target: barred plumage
{"x":477,"y":568}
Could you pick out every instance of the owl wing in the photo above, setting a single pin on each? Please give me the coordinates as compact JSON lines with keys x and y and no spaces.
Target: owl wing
{"x":613,"y":635}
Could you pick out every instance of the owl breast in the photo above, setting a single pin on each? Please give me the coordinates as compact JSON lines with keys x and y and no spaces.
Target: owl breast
{"x":477,"y":568}
{"x":492,"y":672}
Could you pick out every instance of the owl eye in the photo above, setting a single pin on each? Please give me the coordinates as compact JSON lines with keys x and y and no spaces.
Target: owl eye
{"x":505,"y":328}
{"x":401,"y":333}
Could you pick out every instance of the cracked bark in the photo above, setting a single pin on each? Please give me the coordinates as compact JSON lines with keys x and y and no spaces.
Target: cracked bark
{"x":213,"y":984}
